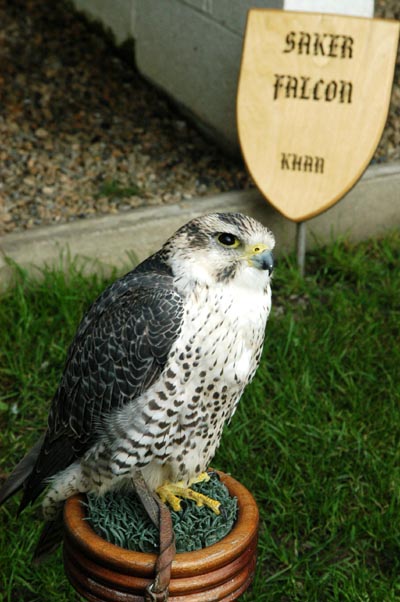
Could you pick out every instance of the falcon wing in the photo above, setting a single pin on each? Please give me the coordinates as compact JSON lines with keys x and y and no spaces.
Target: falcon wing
{"x":120,"y":349}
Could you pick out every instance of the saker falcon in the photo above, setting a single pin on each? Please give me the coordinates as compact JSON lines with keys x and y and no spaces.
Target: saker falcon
{"x":156,"y":368}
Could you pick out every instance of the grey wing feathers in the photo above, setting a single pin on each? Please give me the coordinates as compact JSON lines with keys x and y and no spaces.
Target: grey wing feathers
{"x":117,"y":360}
{"x":21,"y":472}
{"x":119,"y":350}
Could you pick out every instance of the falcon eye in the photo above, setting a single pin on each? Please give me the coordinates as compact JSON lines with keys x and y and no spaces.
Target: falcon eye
{"x":228,"y":240}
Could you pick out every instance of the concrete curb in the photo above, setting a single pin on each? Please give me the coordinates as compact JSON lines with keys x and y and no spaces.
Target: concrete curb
{"x":369,"y":209}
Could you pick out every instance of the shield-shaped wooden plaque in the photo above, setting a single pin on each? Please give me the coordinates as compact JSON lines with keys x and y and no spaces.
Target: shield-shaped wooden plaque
{"x":313,"y":97}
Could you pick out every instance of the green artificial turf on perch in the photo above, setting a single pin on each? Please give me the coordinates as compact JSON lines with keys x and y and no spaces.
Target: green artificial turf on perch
{"x":120,"y":518}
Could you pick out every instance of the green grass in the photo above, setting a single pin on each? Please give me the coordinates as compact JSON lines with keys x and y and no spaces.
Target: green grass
{"x":113,"y":189}
{"x":315,"y":437}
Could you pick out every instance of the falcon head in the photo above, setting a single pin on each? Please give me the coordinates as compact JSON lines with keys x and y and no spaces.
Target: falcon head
{"x":222,"y":248}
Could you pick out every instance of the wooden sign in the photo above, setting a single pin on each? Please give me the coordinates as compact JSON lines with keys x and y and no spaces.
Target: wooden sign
{"x":313,"y":97}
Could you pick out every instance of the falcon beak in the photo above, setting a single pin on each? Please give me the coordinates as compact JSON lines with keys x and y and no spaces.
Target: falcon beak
{"x":260,"y":257}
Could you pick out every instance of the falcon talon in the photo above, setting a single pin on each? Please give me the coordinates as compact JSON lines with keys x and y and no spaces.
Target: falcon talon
{"x":214,"y":473}
{"x":167,"y":497}
{"x":171,"y":492}
{"x":203,"y":477}
{"x":202,"y":500}
{"x":148,"y":384}
{"x":223,"y":512}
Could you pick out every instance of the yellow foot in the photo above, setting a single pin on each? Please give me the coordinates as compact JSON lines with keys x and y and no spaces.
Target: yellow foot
{"x":172,"y":492}
{"x":201,"y":478}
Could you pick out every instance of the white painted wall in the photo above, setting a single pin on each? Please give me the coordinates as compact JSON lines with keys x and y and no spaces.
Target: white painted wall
{"x":356,"y":8}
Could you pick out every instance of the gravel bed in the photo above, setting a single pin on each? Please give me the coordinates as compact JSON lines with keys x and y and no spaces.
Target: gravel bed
{"x":81,"y":133}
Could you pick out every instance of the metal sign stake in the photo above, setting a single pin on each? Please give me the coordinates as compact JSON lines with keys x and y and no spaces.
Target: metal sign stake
{"x":301,"y":235}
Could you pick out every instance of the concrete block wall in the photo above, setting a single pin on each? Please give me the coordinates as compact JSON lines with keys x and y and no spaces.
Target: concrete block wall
{"x":196,"y":59}
{"x":119,"y":16}
{"x":191,"y":49}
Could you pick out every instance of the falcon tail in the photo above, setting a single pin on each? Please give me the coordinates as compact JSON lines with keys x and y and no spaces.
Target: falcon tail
{"x":49,"y":540}
{"x":21,"y":472}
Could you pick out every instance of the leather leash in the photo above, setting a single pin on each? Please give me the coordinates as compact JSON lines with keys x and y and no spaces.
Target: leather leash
{"x":157,"y":591}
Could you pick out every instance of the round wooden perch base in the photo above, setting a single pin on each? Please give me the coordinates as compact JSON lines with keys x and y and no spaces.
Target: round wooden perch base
{"x":101,"y":571}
